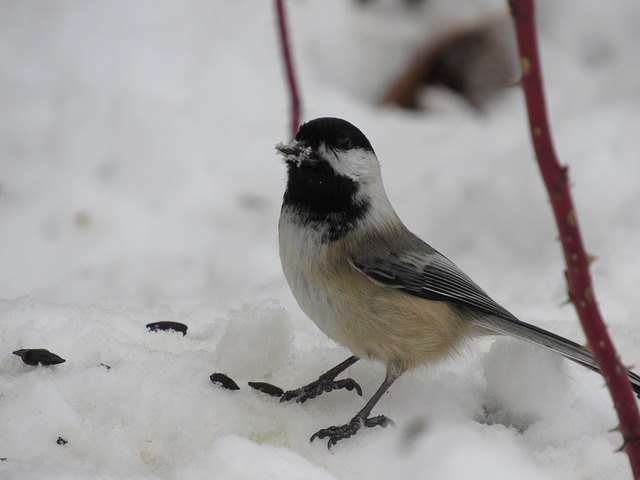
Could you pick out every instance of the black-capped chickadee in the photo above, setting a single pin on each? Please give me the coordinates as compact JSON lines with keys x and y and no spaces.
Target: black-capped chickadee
{"x":368,"y":282}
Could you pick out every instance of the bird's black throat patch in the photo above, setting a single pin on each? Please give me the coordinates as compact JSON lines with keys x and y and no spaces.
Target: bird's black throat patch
{"x":323,"y":199}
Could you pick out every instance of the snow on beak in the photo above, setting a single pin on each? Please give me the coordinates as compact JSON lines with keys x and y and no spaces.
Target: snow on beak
{"x":294,"y":152}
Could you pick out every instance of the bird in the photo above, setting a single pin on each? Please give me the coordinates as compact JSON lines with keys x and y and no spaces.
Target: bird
{"x":368,"y":282}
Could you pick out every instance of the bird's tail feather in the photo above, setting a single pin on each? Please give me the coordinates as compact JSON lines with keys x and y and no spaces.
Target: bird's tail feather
{"x":577,"y":353}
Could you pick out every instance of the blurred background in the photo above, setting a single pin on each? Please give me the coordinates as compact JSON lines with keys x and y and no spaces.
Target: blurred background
{"x":136,"y":140}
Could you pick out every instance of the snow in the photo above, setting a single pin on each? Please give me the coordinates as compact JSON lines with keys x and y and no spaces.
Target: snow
{"x":139,"y":183}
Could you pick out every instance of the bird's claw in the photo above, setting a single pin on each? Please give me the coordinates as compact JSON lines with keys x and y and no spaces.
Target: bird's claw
{"x":340,"y":432}
{"x":323,"y":384}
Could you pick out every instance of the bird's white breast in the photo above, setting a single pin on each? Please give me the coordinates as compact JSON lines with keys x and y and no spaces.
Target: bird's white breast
{"x":303,"y":255}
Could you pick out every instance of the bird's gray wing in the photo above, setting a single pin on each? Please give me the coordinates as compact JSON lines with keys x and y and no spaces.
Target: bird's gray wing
{"x":425,"y":273}
{"x":429,"y":275}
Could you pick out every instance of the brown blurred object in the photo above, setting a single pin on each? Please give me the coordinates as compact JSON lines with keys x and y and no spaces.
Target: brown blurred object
{"x":474,"y":61}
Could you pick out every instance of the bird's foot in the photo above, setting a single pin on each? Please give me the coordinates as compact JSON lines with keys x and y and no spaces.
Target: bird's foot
{"x":337,"y":433}
{"x":323,"y":384}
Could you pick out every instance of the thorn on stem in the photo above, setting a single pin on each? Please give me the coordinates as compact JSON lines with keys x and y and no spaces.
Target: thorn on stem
{"x":513,"y":83}
{"x":566,"y":302}
{"x":622,"y":448}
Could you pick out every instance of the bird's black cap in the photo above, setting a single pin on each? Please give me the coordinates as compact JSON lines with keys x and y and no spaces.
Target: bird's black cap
{"x":335,"y":133}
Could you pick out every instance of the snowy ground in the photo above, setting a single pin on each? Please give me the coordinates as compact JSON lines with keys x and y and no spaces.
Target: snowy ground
{"x":138,"y":183}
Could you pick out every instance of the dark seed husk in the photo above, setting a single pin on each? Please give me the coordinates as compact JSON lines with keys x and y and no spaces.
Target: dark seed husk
{"x":35,"y":356}
{"x":224,"y":381}
{"x":175,"y":326}
{"x":267,"y":388}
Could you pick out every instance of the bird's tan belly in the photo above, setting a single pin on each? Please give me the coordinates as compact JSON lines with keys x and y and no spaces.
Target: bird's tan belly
{"x":397,"y":328}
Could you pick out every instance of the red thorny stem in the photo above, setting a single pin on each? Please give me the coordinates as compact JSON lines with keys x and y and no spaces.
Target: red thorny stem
{"x":581,"y":291}
{"x":288,"y":64}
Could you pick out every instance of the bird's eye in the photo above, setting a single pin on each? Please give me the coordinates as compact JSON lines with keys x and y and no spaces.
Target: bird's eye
{"x":345,"y":143}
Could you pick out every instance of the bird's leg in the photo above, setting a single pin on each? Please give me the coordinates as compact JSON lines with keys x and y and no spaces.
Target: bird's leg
{"x":362,"y":419}
{"x":325,"y":383}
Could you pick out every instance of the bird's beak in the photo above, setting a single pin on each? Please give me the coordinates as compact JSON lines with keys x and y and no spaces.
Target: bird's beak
{"x":292,"y":148}
{"x":294,"y":152}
